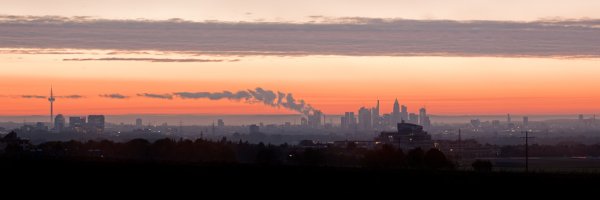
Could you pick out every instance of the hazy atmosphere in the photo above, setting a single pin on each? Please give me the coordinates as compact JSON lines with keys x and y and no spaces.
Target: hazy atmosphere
{"x":434,"y":93}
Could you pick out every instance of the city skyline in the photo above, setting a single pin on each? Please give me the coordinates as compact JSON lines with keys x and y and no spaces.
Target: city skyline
{"x":540,"y":60}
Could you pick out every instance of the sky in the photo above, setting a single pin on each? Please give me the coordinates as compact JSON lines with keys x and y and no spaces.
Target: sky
{"x":283,"y":57}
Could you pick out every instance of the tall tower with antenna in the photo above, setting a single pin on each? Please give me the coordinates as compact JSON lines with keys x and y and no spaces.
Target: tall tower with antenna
{"x":51,"y":99}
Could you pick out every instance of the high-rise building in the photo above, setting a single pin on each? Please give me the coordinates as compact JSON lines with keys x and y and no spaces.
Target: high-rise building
{"x":95,"y":123}
{"x":349,"y":120}
{"x":396,"y":112}
{"x":403,"y":112}
{"x":375,"y":118}
{"x":413,"y":118}
{"x":314,"y":120}
{"x":51,"y":99}
{"x":75,"y":122}
{"x":220,"y":123}
{"x":508,"y":118}
{"x":496,"y":123}
{"x":303,"y":121}
{"x":138,"y":123}
{"x":422,"y":115}
{"x":364,"y":119}
{"x":59,"y":122}
{"x":525,"y":121}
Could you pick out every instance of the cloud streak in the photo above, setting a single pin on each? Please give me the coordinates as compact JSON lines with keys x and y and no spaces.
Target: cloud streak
{"x":155,"y":96}
{"x":114,"y":96}
{"x":150,"y":59}
{"x":32,"y":97}
{"x":75,"y":96}
{"x":336,"y":36}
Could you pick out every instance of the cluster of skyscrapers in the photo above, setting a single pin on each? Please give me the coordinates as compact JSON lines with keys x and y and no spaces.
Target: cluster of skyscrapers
{"x":91,"y":124}
{"x":371,"y":119}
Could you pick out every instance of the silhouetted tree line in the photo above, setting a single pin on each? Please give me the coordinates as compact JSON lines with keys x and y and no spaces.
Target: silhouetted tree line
{"x":224,"y":151}
{"x":390,"y":157}
{"x":558,"y":150}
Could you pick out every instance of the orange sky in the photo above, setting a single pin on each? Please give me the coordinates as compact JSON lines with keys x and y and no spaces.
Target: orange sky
{"x":334,"y":84}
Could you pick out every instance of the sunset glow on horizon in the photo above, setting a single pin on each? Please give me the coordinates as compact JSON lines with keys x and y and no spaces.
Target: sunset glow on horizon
{"x":453,"y":57}
{"x":333,"y":84}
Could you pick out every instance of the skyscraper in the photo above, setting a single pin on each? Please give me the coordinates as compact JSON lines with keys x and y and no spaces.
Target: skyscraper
{"x":525,"y":121}
{"x":59,"y":123}
{"x":349,"y":120}
{"x":51,"y":99}
{"x":404,"y":113}
{"x":375,"y":116}
{"x":220,"y":123}
{"x":413,"y":118}
{"x":423,"y":119}
{"x":364,"y":119}
{"x":396,"y":112}
{"x":96,"y":123}
{"x":76,"y":123}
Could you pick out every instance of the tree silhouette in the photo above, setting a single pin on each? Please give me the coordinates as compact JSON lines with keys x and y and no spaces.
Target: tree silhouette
{"x":415,"y":158}
{"x":482,"y":166}
{"x":435,"y":159}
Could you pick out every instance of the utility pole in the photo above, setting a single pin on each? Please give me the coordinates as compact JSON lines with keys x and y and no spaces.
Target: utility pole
{"x":459,"y":145}
{"x":527,"y":150}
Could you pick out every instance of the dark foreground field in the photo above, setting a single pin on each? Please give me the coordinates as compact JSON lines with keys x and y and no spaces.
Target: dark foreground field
{"x":123,"y":174}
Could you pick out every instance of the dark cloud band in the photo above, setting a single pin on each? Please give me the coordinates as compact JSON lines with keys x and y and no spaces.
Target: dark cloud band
{"x":352,"y":36}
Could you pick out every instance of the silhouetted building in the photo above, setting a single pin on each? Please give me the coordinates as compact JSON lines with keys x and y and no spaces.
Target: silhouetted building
{"x":40,"y":126}
{"x":525,"y":121}
{"x":408,"y":136}
{"x":476,"y":123}
{"x":59,"y":122}
{"x":509,"y":123}
{"x":413,"y":118}
{"x":364,"y":119}
{"x":77,"y":124}
{"x":11,"y":142}
{"x":349,"y":120}
{"x":375,"y":118}
{"x":138,"y":123}
{"x":303,"y":121}
{"x":496,"y":123}
{"x":314,"y":120}
{"x":220,"y":123}
{"x":404,"y":113}
{"x":254,"y":129}
{"x":396,"y":112}
{"x":422,"y":115}
{"x":95,"y":123}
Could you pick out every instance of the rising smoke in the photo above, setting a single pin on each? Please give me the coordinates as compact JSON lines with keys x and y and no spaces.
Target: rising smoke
{"x":258,"y":95}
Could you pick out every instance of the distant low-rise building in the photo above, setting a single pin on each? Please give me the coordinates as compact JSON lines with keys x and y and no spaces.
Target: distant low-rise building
{"x":408,"y":136}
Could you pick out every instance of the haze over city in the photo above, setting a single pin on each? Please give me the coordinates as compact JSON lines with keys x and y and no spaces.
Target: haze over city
{"x":341,"y":87}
